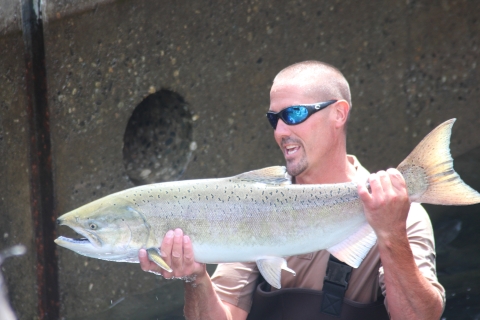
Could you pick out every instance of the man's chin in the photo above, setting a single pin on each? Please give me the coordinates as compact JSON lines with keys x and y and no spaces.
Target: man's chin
{"x":295,"y":169}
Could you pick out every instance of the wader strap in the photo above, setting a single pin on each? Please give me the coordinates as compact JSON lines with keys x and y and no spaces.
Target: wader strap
{"x":335,"y":285}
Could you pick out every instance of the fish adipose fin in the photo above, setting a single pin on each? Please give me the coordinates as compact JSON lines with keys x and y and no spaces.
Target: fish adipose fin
{"x":154,"y":255}
{"x":271,"y":175}
{"x":353,"y":250}
{"x":429,"y":174}
{"x":271,"y":269}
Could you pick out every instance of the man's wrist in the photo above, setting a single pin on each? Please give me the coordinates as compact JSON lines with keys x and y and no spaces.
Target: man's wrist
{"x":197,"y":278}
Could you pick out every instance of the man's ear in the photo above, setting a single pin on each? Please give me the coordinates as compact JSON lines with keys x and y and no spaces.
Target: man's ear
{"x":342,"y":109}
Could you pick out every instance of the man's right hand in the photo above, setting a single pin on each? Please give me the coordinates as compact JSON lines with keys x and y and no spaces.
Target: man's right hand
{"x":176,"y":250}
{"x":201,"y":301}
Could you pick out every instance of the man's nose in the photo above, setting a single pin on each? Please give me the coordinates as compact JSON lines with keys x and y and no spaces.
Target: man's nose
{"x":282,"y":128}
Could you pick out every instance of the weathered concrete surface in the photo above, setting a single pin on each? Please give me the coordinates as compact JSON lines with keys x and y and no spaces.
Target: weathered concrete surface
{"x":10,"y":17}
{"x":222,"y":59}
{"x":15,"y":215}
{"x":411,"y":65}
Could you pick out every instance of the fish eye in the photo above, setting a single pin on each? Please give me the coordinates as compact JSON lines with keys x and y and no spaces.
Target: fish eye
{"x":92,"y":226}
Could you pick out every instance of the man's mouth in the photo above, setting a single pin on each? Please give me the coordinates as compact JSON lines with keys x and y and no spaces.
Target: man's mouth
{"x":291,"y":149}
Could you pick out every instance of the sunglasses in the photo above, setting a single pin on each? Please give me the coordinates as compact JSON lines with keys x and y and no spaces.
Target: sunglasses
{"x":296,"y":114}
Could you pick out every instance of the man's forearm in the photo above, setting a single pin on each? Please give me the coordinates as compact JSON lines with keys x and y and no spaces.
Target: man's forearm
{"x":202,"y":302}
{"x":409,"y":294}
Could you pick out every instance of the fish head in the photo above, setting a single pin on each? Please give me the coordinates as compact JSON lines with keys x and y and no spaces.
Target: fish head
{"x":112,"y":229}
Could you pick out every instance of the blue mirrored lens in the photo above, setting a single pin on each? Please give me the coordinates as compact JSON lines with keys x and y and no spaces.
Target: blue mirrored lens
{"x":294,"y":115}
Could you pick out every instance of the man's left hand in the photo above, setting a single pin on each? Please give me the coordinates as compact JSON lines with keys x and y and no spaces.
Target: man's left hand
{"x":386,"y":206}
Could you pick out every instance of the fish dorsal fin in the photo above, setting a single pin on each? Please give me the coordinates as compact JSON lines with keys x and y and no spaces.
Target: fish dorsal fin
{"x":353,"y":250}
{"x":271,"y":269}
{"x":276,"y":175}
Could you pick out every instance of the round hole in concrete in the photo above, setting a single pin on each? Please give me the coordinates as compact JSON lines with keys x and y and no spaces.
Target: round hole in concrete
{"x":157,"y":144}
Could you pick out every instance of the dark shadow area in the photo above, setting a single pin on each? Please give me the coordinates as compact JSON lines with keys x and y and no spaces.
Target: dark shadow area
{"x":158,"y":139}
{"x":164,"y":303}
{"x":458,"y":245}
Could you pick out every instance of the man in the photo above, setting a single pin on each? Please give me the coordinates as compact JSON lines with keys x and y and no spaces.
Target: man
{"x":315,"y":153}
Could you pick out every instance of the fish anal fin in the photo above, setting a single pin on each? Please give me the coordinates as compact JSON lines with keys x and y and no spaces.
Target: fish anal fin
{"x":275,"y":175}
{"x":353,"y":250}
{"x":271,"y":269}
{"x":154,"y":255}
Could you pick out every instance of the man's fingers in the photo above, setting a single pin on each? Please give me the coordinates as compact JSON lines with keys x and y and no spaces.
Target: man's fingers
{"x":143,"y":258}
{"x":177,"y":250}
{"x":166,"y":248}
{"x":363,"y":192}
{"x":187,"y":250}
{"x":398,"y":182}
{"x":385,"y":180}
{"x":375,"y":186}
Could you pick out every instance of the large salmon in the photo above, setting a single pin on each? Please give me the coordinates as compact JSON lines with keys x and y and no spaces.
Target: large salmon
{"x":258,"y":215}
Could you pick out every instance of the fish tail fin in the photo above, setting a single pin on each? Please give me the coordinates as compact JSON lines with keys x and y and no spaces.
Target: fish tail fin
{"x":429,"y":174}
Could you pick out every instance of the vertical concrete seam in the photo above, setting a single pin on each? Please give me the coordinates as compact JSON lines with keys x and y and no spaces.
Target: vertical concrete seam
{"x":41,"y":176}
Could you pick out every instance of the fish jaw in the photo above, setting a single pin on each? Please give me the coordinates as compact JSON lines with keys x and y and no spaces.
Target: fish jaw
{"x":90,"y":245}
{"x":86,"y":248}
{"x":89,"y":237}
{"x":82,"y":246}
{"x":111,"y":227}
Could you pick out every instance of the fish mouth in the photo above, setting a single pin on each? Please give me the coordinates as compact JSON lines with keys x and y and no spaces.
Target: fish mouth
{"x":85,"y":239}
{"x":81,"y":241}
{"x":85,"y":242}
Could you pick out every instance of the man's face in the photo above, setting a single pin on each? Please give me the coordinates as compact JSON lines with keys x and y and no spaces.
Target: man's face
{"x":305,"y":144}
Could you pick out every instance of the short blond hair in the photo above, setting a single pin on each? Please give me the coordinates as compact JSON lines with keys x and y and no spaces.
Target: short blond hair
{"x":319,"y":79}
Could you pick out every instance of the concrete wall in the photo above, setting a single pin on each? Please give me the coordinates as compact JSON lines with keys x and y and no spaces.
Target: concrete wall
{"x":16,"y":224}
{"x":411,"y":65}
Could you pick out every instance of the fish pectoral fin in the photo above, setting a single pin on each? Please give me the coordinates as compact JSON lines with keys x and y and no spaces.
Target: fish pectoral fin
{"x":271,"y":269}
{"x":154,"y":255}
{"x":353,"y":250}
{"x":275,"y":175}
